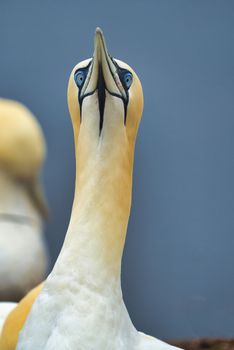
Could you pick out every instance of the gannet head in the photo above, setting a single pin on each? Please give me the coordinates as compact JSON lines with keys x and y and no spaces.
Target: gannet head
{"x":105,"y":98}
{"x":22,"y":148}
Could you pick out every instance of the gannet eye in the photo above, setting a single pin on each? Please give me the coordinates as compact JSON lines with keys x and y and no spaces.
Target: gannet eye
{"x":128,"y":79}
{"x":125,"y":76}
{"x":80,"y":76}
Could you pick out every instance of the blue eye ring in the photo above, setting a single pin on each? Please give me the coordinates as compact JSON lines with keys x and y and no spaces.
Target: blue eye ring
{"x":79,"y":77}
{"x":128,"y":78}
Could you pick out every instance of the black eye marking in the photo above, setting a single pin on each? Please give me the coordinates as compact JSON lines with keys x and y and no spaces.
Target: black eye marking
{"x":80,"y":76}
{"x":126,"y":79}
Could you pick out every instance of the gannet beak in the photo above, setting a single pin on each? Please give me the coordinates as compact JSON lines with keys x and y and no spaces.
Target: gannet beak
{"x":103,"y":72}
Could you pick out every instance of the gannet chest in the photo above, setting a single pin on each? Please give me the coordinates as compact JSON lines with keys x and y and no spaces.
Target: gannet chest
{"x":78,"y":318}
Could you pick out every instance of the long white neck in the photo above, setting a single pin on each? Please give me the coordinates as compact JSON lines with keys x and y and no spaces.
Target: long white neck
{"x":15,"y":200}
{"x":95,"y":239}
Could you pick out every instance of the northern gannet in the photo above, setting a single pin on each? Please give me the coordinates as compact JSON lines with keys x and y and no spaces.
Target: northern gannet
{"x":23,"y":254}
{"x":80,"y":306}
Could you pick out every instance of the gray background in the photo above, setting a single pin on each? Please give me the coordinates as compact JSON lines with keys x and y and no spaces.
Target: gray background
{"x":178,"y":278}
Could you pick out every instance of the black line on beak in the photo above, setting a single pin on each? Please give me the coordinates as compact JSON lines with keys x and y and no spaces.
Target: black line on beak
{"x":101,"y":88}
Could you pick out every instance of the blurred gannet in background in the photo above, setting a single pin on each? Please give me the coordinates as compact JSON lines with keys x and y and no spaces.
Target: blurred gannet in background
{"x":23,"y":255}
{"x":80,"y":305}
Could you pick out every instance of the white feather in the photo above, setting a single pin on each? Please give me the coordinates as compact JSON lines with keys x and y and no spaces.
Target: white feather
{"x":5,"y":309}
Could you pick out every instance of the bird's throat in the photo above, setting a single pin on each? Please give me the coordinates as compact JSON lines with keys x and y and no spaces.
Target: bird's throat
{"x":95,"y":239}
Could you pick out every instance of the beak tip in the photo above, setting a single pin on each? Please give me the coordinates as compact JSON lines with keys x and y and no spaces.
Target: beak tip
{"x":99,"y":31}
{"x":99,"y":42}
{"x":99,"y":34}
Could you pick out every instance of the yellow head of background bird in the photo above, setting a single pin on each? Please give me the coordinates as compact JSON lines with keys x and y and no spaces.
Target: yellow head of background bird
{"x":22,"y":144}
{"x":22,"y":149}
